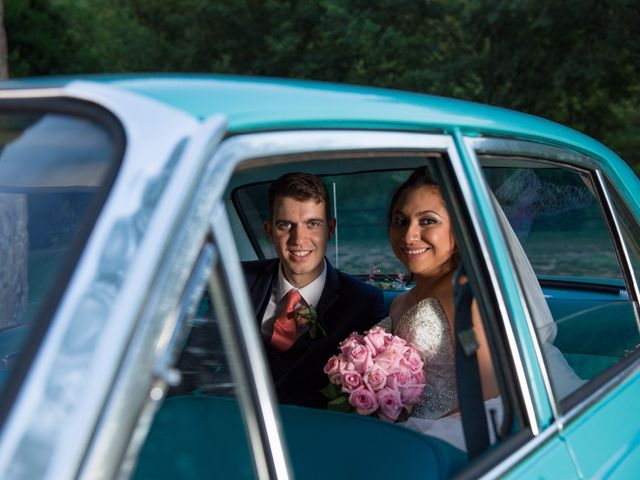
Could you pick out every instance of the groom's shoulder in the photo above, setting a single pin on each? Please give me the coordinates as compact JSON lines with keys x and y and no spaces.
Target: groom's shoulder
{"x":256,"y":268}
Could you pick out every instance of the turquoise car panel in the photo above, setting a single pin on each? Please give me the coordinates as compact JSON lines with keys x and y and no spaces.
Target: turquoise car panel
{"x":605,"y":439}
{"x":303,"y":104}
{"x":550,"y":461}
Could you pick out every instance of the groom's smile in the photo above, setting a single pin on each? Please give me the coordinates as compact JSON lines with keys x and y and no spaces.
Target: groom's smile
{"x":299,"y":231}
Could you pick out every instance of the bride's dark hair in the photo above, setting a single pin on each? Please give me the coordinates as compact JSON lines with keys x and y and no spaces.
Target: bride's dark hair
{"x":420,"y":177}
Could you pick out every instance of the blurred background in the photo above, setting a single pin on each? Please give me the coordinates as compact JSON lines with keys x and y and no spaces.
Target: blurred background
{"x":573,"y":61}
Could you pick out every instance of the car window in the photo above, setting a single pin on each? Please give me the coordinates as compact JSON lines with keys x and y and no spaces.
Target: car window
{"x":559,"y":221}
{"x":52,"y":167}
{"x":198,"y":430}
{"x":359,"y":201}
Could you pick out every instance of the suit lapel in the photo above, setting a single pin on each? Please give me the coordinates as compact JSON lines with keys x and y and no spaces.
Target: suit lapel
{"x":328,"y":297}
{"x":261,"y":288}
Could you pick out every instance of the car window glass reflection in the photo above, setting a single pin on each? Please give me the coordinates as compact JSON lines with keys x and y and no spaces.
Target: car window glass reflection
{"x":51,"y":168}
{"x":203,"y":363}
{"x":559,"y":223}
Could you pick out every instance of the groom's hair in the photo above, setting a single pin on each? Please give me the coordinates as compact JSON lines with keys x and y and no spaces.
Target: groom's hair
{"x":300,"y":186}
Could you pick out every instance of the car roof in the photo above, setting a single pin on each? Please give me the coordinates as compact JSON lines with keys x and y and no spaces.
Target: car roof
{"x":262,"y":104}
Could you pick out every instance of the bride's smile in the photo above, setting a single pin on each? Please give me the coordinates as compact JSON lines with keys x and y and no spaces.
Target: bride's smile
{"x":420,"y":232}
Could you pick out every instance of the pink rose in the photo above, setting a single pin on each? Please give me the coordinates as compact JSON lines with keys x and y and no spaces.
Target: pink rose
{"x":365,"y":401}
{"x":333,"y":369}
{"x":351,"y":380}
{"x":411,"y":391}
{"x":411,"y":359}
{"x":388,"y":360}
{"x":377,"y":340}
{"x":390,"y":403}
{"x":392,"y":383}
{"x":411,"y":394}
{"x":398,"y":342}
{"x":349,"y":343}
{"x":403,"y":376}
{"x":375,"y":378}
{"x":360,"y":358}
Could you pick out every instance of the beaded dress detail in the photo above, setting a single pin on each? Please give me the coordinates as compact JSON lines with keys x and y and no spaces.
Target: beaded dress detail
{"x":426,"y":328}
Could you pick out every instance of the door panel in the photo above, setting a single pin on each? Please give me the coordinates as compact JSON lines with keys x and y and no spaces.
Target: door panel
{"x":605,"y":439}
{"x":551,"y":461}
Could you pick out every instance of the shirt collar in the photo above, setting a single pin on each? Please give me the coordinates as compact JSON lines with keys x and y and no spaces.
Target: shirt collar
{"x":310,"y":293}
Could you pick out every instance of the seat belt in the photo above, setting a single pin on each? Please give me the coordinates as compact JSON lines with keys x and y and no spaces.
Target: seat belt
{"x":470,"y":400}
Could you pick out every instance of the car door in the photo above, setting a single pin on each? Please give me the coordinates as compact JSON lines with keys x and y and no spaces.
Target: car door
{"x":100,"y":178}
{"x":579,"y":233}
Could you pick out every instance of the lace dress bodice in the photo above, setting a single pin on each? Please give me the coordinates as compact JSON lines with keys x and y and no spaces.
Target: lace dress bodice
{"x":426,"y":328}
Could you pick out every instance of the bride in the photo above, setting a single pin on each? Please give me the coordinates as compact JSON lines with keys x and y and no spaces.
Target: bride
{"x":421,"y":237}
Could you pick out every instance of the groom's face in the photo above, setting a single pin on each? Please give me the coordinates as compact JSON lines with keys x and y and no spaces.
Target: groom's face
{"x":299,"y":230}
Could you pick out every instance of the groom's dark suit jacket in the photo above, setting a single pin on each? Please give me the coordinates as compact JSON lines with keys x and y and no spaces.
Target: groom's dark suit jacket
{"x":346,"y":305}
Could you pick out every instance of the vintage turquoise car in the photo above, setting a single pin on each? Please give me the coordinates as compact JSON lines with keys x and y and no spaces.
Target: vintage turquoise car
{"x":128,"y":203}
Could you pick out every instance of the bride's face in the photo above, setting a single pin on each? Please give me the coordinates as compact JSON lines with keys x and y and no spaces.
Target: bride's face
{"x":420,"y":232}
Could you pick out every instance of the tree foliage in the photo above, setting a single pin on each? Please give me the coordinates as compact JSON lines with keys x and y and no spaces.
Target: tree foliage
{"x":576,"y":61}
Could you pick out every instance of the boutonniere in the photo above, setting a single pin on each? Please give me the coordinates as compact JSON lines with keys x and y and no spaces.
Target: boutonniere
{"x":307,"y":316}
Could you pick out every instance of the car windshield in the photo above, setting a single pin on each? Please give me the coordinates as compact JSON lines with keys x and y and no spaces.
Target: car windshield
{"x":51,"y":168}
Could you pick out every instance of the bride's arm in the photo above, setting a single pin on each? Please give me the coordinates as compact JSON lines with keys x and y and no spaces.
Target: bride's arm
{"x":487,"y":374}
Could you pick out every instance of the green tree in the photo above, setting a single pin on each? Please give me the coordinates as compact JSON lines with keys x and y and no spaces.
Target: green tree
{"x":577,"y":62}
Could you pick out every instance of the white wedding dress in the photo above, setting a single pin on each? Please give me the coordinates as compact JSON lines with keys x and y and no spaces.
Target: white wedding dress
{"x":426,"y":328}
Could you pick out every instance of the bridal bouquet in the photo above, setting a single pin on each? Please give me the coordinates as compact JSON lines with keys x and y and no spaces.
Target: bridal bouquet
{"x":376,"y":374}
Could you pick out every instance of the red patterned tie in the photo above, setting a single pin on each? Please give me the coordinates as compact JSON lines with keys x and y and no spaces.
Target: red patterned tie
{"x":284,"y":330}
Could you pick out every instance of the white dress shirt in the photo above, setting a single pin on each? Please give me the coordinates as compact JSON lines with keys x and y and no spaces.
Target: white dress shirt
{"x":310,"y":294}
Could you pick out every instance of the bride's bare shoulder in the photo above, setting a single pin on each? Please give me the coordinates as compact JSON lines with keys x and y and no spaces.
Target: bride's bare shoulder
{"x":399,"y":305}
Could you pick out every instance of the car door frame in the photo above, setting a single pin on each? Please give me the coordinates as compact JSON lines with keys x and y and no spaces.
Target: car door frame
{"x":57,"y":411}
{"x":567,"y":416}
{"x":473,"y":201}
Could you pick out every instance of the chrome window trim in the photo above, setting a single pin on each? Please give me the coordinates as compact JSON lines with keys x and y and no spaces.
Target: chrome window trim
{"x":115,"y":453}
{"x":526,"y":148}
{"x":467,"y":145}
{"x":252,"y":149}
{"x":61,"y":398}
{"x":618,"y":238}
{"x":244,"y":346}
{"x":31,"y":93}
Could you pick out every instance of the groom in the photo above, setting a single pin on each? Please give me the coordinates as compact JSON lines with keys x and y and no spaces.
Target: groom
{"x":304,"y":307}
